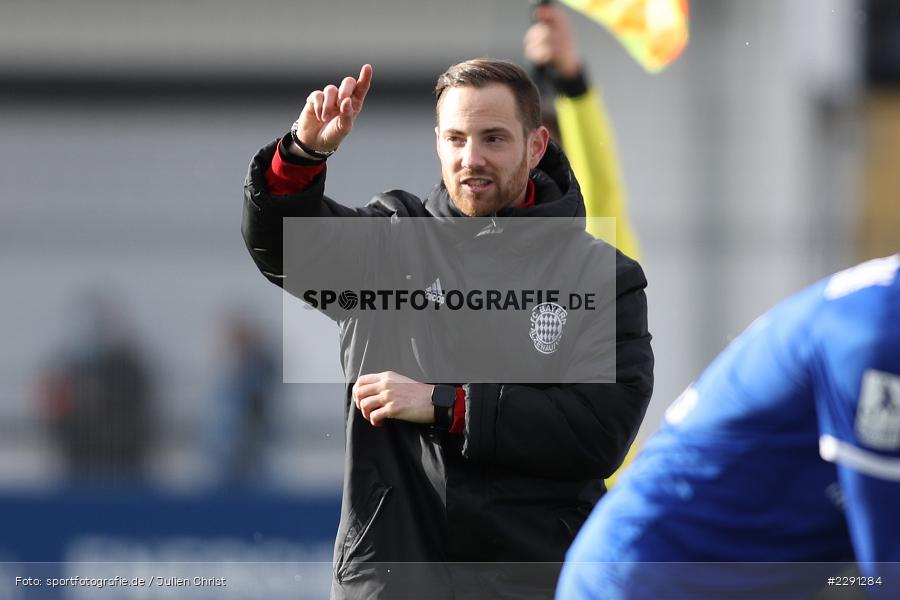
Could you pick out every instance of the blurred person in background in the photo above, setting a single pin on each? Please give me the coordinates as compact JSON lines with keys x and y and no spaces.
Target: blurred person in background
{"x":781,"y":460}
{"x":579,"y":122}
{"x":95,"y":393}
{"x":240,"y":404}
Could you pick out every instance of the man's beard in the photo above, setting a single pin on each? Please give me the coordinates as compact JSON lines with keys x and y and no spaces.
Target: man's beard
{"x":503,"y":192}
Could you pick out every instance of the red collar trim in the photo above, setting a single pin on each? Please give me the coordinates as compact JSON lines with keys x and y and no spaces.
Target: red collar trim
{"x":529,"y":195}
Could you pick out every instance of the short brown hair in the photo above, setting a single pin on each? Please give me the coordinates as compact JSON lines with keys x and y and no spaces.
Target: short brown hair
{"x":481,"y":72}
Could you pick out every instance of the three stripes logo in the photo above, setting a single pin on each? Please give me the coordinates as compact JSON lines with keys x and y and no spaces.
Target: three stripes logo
{"x":434,"y":292}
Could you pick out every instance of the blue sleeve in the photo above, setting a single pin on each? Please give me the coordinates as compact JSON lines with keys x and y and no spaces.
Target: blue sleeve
{"x":861,"y":435}
{"x":858,"y":409}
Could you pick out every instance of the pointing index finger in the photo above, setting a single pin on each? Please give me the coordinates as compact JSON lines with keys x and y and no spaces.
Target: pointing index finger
{"x":362,"y":86}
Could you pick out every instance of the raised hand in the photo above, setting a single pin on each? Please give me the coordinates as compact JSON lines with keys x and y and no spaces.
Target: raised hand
{"x":329,"y":113}
{"x":551,"y":42}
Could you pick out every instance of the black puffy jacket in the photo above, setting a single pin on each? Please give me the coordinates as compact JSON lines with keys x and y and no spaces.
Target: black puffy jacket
{"x":515,"y":487}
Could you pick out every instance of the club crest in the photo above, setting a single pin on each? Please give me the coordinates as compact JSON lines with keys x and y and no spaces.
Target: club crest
{"x":547,"y":322}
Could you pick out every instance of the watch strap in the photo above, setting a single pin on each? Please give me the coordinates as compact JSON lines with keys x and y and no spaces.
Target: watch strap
{"x":443,"y":398}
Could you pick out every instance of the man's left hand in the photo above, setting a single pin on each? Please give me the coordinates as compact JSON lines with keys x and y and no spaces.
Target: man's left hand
{"x":551,"y":42}
{"x":389,"y":395}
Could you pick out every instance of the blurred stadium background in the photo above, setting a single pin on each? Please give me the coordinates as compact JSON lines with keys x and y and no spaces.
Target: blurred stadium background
{"x":763,"y":159}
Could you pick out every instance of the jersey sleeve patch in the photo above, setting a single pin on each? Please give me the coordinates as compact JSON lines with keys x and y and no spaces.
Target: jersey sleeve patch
{"x":878,"y":412}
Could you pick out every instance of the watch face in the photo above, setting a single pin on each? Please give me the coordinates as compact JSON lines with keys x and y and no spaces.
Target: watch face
{"x":443,"y":395}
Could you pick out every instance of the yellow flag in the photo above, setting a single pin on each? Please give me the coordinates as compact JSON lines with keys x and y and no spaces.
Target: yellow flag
{"x":653,"y":31}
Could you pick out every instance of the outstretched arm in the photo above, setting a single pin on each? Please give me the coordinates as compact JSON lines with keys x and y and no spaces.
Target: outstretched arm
{"x":586,"y":134}
{"x":286,"y":181}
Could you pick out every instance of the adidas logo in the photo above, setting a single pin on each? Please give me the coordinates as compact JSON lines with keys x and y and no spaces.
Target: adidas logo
{"x":434,"y":292}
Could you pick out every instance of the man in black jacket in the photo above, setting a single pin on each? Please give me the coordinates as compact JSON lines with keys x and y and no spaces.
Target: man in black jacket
{"x":458,"y":491}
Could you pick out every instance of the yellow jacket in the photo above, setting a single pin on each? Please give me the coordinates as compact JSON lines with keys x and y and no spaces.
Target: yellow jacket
{"x":588,"y":142}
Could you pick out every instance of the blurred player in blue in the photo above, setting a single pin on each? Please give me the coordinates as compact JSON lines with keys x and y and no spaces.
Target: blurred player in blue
{"x":778,"y":463}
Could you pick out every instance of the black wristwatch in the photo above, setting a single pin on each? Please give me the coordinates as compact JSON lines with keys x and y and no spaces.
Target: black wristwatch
{"x":443,"y":397}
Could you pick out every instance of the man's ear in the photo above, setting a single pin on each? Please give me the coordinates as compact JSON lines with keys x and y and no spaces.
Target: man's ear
{"x":537,"y":145}
{"x":437,"y":140}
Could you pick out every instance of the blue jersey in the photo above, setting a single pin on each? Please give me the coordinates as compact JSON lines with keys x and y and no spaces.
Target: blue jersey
{"x":786,"y":450}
